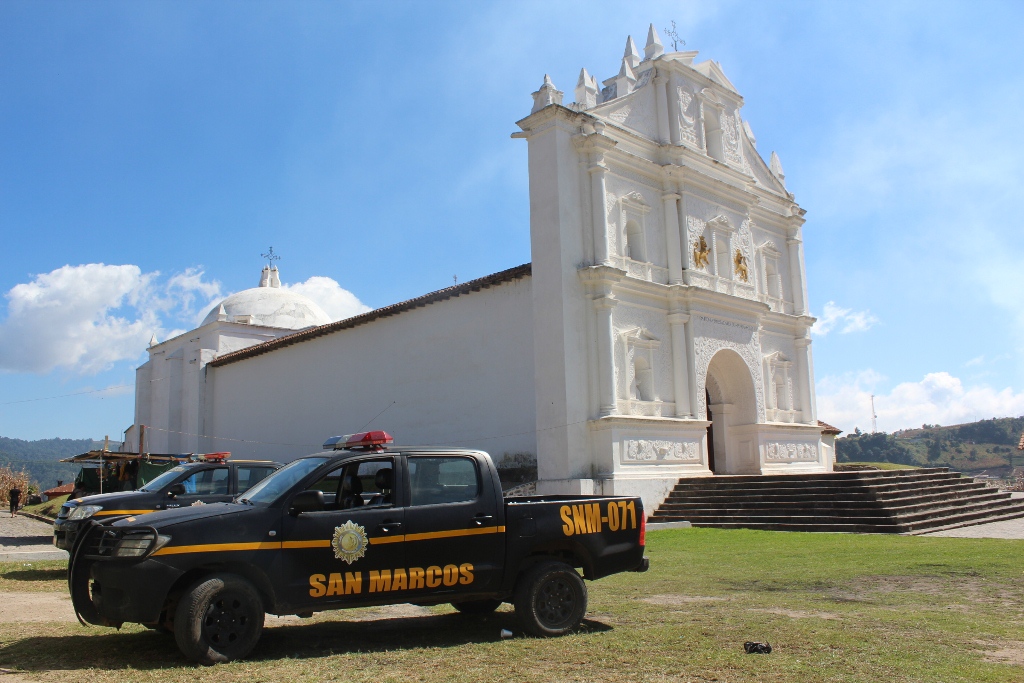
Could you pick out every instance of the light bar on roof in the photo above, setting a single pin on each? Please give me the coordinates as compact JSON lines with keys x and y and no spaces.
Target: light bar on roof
{"x":362,"y":440}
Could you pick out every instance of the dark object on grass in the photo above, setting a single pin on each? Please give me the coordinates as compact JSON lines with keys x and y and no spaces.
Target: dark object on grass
{"x":757,"y":648}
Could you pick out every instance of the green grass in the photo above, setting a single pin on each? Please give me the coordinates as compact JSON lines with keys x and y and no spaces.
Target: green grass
{"x":48,"y":509}
{"x":836,"y":607}
{"x":49,"y":576}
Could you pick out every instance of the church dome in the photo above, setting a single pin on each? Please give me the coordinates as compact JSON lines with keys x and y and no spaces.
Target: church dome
{"x":269,"y":305}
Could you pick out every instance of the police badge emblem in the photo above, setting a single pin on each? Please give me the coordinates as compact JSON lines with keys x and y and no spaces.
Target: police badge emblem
{"x":349,"y":542}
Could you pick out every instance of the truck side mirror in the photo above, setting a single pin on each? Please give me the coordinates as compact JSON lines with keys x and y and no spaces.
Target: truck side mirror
{"x":176,"y":490}
{"x":306,"y":501}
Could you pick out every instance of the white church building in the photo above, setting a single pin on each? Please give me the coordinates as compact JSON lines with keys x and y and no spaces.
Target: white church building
{"x":660,"y":331}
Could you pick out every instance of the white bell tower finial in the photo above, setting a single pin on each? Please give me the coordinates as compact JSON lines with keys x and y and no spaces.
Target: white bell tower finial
{"x":547,"y":95}
{"x":631,"y":54}
{"x":654,"y":48}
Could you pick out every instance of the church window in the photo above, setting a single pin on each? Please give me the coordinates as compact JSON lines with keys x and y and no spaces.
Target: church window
{"x":635,"y":242}
{"x":643,"y":382}
{"x":713,"y":133}
{"x":771,"y":279}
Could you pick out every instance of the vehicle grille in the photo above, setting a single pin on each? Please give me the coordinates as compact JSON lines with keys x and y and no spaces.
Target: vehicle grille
{"x":101,"y":543}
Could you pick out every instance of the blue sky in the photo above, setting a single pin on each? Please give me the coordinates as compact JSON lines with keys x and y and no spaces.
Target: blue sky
{"x":369,"y":144}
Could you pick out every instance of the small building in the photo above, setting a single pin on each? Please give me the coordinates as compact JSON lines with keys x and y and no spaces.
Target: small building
{"x":57,"y":492}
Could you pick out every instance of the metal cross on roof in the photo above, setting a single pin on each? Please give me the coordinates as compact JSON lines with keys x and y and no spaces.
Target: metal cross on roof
{"x":271,"y":256}
{"x":677,"y":42}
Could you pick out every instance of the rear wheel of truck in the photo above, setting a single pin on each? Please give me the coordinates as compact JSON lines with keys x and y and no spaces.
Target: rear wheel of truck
{"x":219,"y":619}
{"x":477,"y":607}
{"x":550,"y":599}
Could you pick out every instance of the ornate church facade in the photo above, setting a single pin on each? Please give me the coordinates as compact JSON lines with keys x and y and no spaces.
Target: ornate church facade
{"x":660,"y":331}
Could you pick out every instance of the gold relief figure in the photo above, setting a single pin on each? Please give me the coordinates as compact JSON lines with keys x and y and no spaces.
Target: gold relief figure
{"x":741,"y":265}
{"x":700,"y":253}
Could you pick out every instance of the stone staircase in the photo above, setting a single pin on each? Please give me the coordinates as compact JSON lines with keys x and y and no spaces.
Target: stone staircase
{"x":889,"y":501}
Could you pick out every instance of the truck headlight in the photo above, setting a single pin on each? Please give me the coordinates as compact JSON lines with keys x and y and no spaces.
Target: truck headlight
{"x":84,"y":511}
{"x":137,"y":545}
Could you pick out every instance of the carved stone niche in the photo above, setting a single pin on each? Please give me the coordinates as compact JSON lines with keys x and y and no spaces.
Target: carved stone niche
{"x":779,"y":403}
{"x":640,"y":345}
{"x":635,"y":258}
{"x":768,"y":257}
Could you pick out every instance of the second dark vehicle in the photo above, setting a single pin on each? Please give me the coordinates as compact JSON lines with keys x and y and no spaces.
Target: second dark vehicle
{"x":210,"y":480}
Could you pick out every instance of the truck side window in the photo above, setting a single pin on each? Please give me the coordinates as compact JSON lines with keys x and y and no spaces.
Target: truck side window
{"x":250,"y":476}
{"x":357,"y":484}
{"x":439,"y":480}
{"x":208,"y":482}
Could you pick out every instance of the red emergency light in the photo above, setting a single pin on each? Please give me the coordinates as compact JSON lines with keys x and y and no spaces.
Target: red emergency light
{"x":222,"y":455}
{"x":374,"y":440}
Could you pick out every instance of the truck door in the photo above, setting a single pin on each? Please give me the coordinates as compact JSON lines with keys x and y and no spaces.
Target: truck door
{"x":452,"y":525}
{"x":351,"y":550}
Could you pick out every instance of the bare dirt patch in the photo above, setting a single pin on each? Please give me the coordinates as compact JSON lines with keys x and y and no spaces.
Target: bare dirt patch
{"x":22,"y":607}
{"x":1006,"y":653}
{"x":798,"y":614}
{"x":676,"y":600}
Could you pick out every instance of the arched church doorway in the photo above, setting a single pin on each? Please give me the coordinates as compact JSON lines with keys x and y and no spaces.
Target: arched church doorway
{"x":732,"y":410}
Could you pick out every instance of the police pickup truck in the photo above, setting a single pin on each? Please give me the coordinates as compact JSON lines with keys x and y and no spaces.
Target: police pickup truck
{"x":359,"y":524}
{"x":213,"y":478}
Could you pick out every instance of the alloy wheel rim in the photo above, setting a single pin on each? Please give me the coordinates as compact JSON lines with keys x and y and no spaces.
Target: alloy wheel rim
{"x":226,"y":620}
{"x":555,"y":602}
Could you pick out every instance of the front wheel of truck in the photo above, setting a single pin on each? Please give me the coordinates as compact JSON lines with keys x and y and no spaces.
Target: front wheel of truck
{"x":550,"y":599}
{"x":219,"y":619}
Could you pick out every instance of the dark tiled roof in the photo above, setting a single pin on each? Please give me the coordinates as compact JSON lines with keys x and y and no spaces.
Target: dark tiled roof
{"x":394,"y":309}
{"x":826,"y":428}
{"x":59,"y":490}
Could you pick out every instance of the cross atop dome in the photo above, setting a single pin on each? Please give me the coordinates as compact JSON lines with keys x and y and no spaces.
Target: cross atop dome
{"x":270,"y":277}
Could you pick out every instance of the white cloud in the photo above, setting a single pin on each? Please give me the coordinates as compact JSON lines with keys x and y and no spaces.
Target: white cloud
{"x":845,"y":319}
{"x":183,"y":288}
{"x":939,"y":398}
{"x":337,"y":302}
{"x":85,"y":318}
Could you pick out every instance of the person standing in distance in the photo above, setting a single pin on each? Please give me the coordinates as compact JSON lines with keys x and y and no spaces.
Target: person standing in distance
{"x":14,"y":495}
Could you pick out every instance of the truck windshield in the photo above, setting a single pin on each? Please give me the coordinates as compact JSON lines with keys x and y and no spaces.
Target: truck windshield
{"x":281,"y":481}
{"x":164,"y":479}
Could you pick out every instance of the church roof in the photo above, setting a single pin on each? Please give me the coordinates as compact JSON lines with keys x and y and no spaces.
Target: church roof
{"x":826,"y":428}
{"x":269,"y":305}
{"x":365,"y":318}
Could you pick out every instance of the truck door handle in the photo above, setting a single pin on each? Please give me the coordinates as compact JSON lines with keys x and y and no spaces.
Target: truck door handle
{"x":388,"y":527}
{"x":481,"y":518}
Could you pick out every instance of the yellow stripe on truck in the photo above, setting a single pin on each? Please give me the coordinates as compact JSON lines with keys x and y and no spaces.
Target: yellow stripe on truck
{"x":105,"y":513}
{"x":301,"y":545}
{"x":217,"y":547}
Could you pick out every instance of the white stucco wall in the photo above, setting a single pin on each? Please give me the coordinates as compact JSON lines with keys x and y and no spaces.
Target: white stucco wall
{"x":458,"y":372}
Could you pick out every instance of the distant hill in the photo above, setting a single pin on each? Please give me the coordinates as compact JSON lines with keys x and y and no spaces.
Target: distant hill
{"x":40,"y":459}
{"x":970,"y":447}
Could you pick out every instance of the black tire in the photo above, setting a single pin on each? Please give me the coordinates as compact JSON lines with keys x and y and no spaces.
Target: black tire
{"x":219,"y":619}
{"x":550,"y":600}
{"x":477,"y":607}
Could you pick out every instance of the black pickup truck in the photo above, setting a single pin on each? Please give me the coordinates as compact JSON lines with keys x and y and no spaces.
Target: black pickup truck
{"x":357,"y":525}
{"x":209,"y":480}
